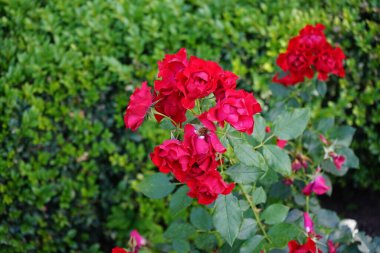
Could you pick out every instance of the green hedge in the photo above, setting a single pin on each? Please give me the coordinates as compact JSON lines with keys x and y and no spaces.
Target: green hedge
{"x":68,"y":168}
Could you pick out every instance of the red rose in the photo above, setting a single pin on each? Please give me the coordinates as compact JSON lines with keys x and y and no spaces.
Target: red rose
{"x":139,"y":103}
{"x":169,"y":68}
{"x":171,"y":156}
{"x":310,"y":40}
{"x":207,"y":189}
{"x":237,"y":109}
{"x":170,"y":105}
{"x":119,"y":250}
{"x":330,"y":61}
{"x":308,"y":247}
{"x":296,"y":64}
{"x":202,"y":141}
{"x":197,"y":168}
{"x":227,"y":81}
{"x":198,"y":80}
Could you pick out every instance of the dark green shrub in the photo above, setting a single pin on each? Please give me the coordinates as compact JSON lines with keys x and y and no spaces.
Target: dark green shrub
{"x":69,"y":170}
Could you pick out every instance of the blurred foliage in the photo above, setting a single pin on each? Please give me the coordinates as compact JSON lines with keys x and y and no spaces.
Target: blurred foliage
{"x":68,"y":169}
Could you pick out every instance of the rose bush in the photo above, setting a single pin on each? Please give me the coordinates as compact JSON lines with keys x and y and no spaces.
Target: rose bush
{"x":255,"y":169}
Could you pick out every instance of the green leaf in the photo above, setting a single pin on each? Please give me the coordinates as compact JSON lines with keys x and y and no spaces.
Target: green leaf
{"x":227,"y":217}
{"x":252,"y":245}
{"x":329,"y":166}
{"x":248,"y":229}
{"x":290,"y":125}
{"x":327,"y":218}
{"x":167,"y":124}
{"x":259,"y":196}
{"x":245,"y":153}
{"x":281,"y":234}
{"x":343,"y":135}
{"x":200,"y":218}
{"x":179,"y":230}
{"x":277,"y":159}
{"x":259,"y":128}
{"x":156,"y":186}
{"x":275,"y":213}
{"x":206,"y":242}
{"x":244,"y":174}
{"x":181,"y":246}
{"x":180,"y":200}
{"x":325,"y":124}
{"x":321,"y":88}
{"x":352,"y":161}
{"x":279,"y":90}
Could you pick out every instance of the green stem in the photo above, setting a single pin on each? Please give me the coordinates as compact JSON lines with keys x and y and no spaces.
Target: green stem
{"x":263,"y":143}
{"x":255,"y":212}
{"x":307,"y":203}
{"x":163,"y":115}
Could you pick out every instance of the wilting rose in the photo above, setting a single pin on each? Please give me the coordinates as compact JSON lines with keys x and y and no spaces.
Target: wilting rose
{"x":139,"y":104}
{"x":318,"y":186}
{"x":338,"y":160}
{"x":136,"y":241}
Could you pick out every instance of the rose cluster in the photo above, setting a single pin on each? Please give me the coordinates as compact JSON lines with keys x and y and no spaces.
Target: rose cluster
{"x":307,"y":53}
{"x":194,"y":160}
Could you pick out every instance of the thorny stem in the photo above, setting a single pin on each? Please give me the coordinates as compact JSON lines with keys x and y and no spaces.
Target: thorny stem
{"x":255,"y":212}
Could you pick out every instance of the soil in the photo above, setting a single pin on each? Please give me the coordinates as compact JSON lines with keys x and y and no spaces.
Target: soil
{"x":360,"y":205}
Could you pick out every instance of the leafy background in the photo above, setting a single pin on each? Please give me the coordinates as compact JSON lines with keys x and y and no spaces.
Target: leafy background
{"x":69,"y":170}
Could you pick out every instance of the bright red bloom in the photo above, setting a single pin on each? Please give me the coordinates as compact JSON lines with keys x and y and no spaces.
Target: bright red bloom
{"x":308,"y":247}
{"x":281,"y":143}
{"x":198,"y":80}
{"x":296,"y":65}
{"x":318,"y":186}
{"x":139,"y":104}
{"x":227,"y":81}
{"x":171,"y":156}
{"x":202,"y":141}
{"x":207,"y":188}
{"x":169,"y":68}
{"x":170,"y":105}
{"x":119,"y":250}
{"x":310,"y":40}
{"x":330,"y":61}
{"x":237,"y":109}
{"x":308,"y":223}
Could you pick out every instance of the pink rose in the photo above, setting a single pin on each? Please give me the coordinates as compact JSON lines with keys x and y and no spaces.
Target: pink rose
{"x":318,"y":186}
{"x":136,"y":241}
{"x":139,"y":104}
{"x":308,"y":223}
